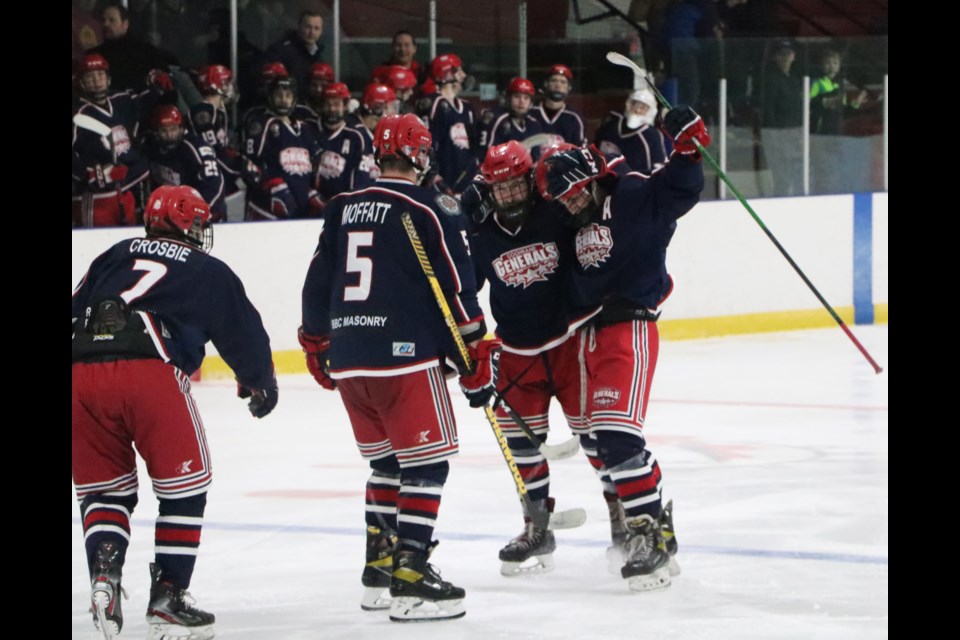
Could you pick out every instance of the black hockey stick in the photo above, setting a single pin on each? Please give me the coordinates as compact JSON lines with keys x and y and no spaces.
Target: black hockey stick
{"x":624,"y":61}
{"x":540,"y":517}
{"x":550,"y":452}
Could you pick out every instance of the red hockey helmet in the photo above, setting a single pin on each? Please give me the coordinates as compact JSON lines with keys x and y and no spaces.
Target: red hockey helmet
{"x":336,"y":90}
{"x":444,"y":68}
{"x":93,"y":86}
{"x":216,"y":78}
{"x":92,"y":62}
{"x":400,"y":78}
{"x":404,"y":136}
{"x":560,"y":70}
{"x":506,"y":161}
{"x":521,"y":85}
{"x":322,"y":72}
{"x":376,"y":97}
{"x":179,"y":212}
{"x":167,"y":123}
{"x":271,"y":70}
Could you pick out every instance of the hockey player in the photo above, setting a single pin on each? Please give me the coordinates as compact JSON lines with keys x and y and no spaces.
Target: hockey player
{"x":207,"y":120}
{"x":403,"y":82}
{"x":108,"y":170}
{"x":554,"y":115}
{"x":378,"y":101}
{"x":372,"y":330}
{"x":633,"y":134}
{"x":341,"y":166}
{"x":451,"y":124}
{"x":178,"y":158}
{"x":320,"y":76}
{"x":620,"y":280}
{"x":511,"y":122}
{"x":253,"y":118}
{"x":284,"y":156}
{"x":141,"y":316}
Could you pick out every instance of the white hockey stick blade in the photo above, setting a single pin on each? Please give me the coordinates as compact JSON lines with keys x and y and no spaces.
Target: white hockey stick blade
{"x":560,"y":451}
{"x":536,"y":140}
{"x":623,"y":61}
{"x":91,"y":124}
{"x":569,"y":519}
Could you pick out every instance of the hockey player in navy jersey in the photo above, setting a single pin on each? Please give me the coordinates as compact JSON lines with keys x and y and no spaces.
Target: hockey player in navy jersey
{"x":511,"y":121}
{"x":523,"y":248}
{"x":633,"y":134}
{"x":625,"y":225}
{"x":553,"y":113}
{"x":378,"y":100}
{"x":372,"y":330}
{"x":207,"y":120}
{"x":141,"y":316}
{"x":451,"y":124}
{"x":180,"y":158}
{"x":341,"y":166}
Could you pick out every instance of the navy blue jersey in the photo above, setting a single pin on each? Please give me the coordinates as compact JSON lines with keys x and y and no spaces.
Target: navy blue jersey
{"x":190,"y":298}
{"x":366,"y":289}
{"x":191,"y":163}
{"x":368,"y":164}
{"x":251,"y":126}
{"x":499,"y":127}
{"x":621,"y":252}
{"x":454,"y":140}
{"x":287,"y":152}
{"x":343,"y":164}
{"x":646,"y":149}
{"x":565,"y":123}
{"x":526,"y":270}
{"x":304,"y":112}
{"x":209,"y":123}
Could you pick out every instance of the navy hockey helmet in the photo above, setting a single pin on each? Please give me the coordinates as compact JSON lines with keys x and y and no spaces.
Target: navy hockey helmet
{"x":282,"y":95}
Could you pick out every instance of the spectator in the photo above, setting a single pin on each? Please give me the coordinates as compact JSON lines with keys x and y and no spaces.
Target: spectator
{"x":451,"y":124}
{"x":87,"y":31}
{"x":828,"y":101}
{"x":633,"y":134}
{"x":510,"y":122}
{"x":782,"y":130}
{"x":403,"y":50}
{"x":130,"y":60}
{"x":300,"y":49}
{"x":554,"y":115}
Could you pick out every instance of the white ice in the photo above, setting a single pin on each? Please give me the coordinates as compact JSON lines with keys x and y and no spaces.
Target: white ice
{"x":774,"y":448}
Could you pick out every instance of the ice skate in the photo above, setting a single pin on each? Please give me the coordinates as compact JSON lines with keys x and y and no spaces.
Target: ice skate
{"x":106,"y":592}
{"x":529,"y":553}
{"x":419,"y":594}
{"x":381,"y":545}
{"x":170,"y":614}
{"x":645,"y":555}
{"x":669,"y":537}
{"x":618,"y":532}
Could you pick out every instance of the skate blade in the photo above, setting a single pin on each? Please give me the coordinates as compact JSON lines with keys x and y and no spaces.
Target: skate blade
{"x":568,"y":519}
{"x":659,"y":579}
{"x":614,"y":560}
{"x":419,"y":610}
{"x":109,"y":628}
{"x":159,"y":629}
{"x":375,"y":599}
{"x":530,"y":566}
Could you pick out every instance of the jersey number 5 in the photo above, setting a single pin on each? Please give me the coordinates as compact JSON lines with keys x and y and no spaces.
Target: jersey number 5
{"x":358,"y":264}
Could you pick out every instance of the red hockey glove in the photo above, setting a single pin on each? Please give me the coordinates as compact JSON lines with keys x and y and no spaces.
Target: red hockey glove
{"x":104,"y":174}
{"x":315,"y":348}
{"x":684,"y":125}
{"x":315,"y":204}
{"x":160,"y":79}
{"x":262,"y":401}
{"x":480,"y":385}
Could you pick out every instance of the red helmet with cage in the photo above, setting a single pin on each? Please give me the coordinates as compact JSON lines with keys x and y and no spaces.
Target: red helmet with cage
{"x":179,"y":212}
{"x":560,"y":70}
{"x":506,"y":161}
{"x":322,"y":72}
{"x":167,"y":123}
{"x":216,"y":78}
{"x":554,"y":88}
{"x":336,"y":90}
{"x":376,"y":97}
{"x":400,"y":78}
{"x":444,"y":67}
{"x":521,"y":85}
{"x":404,"y":136}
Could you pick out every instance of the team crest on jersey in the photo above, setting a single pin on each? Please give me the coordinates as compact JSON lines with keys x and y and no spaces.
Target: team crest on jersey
{"x":594,"y":244}
{"x":606,"y":397}
{"x":331,"y":165}
{"x":295,"y":161}
{"x":523,"y":266}
{"x":458,"y":135}
{"x":204,"y":117}
{"x":405,"y":349}
{"x":121,"y":139}
{"x":608,"y":147}
{"x":449,"y":204}
{"x":487,"y":117}
{"x":255,"y":128}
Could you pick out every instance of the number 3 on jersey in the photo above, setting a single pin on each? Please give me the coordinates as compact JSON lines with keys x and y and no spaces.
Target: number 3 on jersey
{"x":358,"y":264}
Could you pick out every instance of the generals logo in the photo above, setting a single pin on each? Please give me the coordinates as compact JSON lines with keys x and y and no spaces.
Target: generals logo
{"x":458,"y":135}
{"x":121,"y":139}
{"x":606,"y":397}
{"x":526,"y":265}
{"x":296,"y":161}
{"x":594,"y":244}
{"x":331,"y":165}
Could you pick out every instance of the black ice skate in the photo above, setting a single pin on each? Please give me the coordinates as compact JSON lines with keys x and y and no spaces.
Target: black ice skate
{"x":618,"y":532}
{"x":529,"y":553}
{"x":170,"y":614}
{"x":418,"y":592}
{"x":105,"y":590}
{"x":381,"y":545}
{"x":669,"y":537}
{"x":645,"y":555}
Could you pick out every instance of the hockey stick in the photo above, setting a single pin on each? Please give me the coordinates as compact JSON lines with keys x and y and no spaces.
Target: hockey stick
{"x":624,"y":61}
{"x":536,"y":140}
{"x":92,"y":124}
{"x":550,"y":452}
{"x":540,"y":517}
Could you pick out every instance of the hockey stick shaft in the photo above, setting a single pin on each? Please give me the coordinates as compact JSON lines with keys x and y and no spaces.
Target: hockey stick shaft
{"x":550,"y":452}
{"x":623,"y":61}
{"x":540,"y":517}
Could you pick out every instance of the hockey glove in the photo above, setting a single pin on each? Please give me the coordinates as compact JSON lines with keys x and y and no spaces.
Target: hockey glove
{"x":477,"y":201}
{"x":315,"y":348}
{"x":480,"y":385}
{"x":160,"y":79}
{"x":684,"y":126}
{"x":262,"y":401}
{"x":573,"y":167}
{"x":315,"y":204}
{"x":281,"y":199}
{"x":102,"y":175}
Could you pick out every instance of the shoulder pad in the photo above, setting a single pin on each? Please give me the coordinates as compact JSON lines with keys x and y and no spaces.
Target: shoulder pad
{"x":448,"y":204}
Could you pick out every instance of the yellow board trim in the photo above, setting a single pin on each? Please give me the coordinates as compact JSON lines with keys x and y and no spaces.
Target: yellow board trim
{"x":214,"y":368}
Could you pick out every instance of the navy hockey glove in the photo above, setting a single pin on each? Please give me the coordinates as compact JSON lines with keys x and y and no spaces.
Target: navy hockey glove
{"x":315,"y":348}
{"x":281,"y":199}
{"x":480,"y":385}
{"x":572,"y":167}
{"x":684,"y":125}
{"x":262,"y":401}
{"x":477,"y":200}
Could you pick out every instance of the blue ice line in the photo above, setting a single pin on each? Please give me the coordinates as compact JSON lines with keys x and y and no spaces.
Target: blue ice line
{"x":574,"y":542}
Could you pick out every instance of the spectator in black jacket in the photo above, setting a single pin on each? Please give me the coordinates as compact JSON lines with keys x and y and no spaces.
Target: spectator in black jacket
{"x":131,"y":60}
{"x":301,"y":49}
{"x":782,"y":128}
